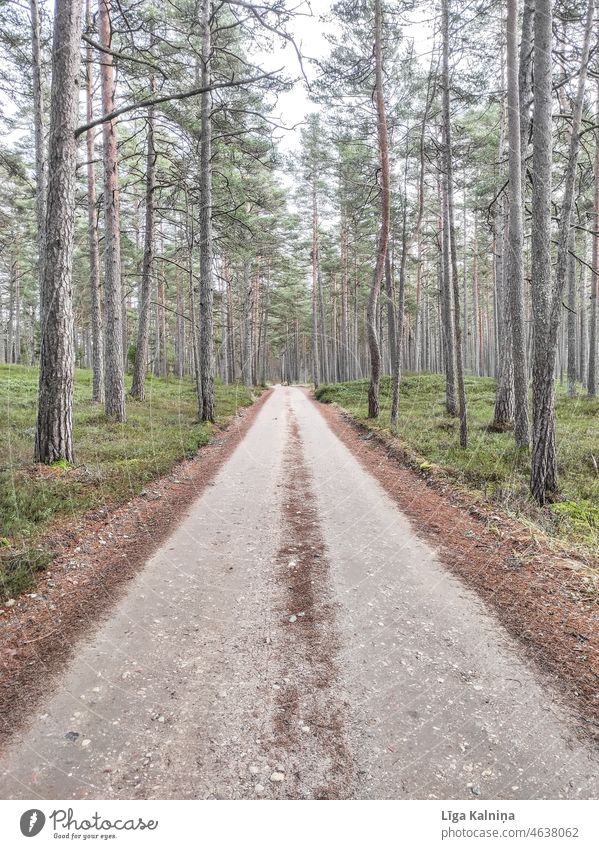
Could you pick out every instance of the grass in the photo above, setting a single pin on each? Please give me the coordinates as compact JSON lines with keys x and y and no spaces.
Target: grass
{"x":114,"y":461}
{"x":491,"y":464}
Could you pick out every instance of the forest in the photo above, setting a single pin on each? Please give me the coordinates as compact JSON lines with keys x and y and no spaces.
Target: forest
{"x":299,"y":453}
{"x":421,"y":246}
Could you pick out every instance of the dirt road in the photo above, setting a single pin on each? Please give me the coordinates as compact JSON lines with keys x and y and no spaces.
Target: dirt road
{"x":295,"y":639}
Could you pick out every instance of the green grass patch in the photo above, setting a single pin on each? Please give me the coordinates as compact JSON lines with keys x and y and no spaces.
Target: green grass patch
{"x":114,"y":461}
{"x":491,"y":464}
{"x":19,"y":567}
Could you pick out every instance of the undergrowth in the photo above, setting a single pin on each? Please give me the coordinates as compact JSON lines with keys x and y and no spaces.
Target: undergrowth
{"x":114,"y":461}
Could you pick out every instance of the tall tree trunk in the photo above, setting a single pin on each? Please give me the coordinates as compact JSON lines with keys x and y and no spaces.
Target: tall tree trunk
{"x":324,"y":348}
{"x":504,"y":394}
{"x":391,"y":309}
{"x":476,"y":323}
{"x":504,"y":377}
{"x":547,"y":298}
{"x":397,"y":353}
{"x":114,"y":384}
{"x":54,"y":430}
{"x":514,"y":265}
{"x":592,"y":369}
{"x":138,"y":385}
{"x":524,"y":74}
{"x":97,"y":352}
{"x":420,"y":215}
{"x":248,"y":329}
{"x":161,"y":355}
{"x":316,"y":341}
{"x":583,"y":339}
{"x":224,"y":342}
{"x":17,"y":308}
{"x":543,"y":358}
{"x":571,"y":318}
{"x":40,"y":155}
{"x":195,"y":341}
{"x":230,"y":330}
{"x":452,"y":240}
{"x":206,"y":282}
{"x":344,"y":359}
{"x":180,"y":332}
{"x":383,"y":239}
{"x":446,"y":309}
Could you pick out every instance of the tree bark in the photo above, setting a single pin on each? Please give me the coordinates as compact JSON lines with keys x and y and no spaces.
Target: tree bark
{"x":543,"y":362}
{"x":248,"y":325}
{"x":40,"y":156}
{"x":398,"y":324}
{"x":514,"y":267}
{"x":206,"y":282}
{"x":391,"y":309}
{"x":446,"y":309}
{"x":344,"y":359}
{"x":571,"y":318}
{"x":452,"y":240}
{"x":592,"y":367}
{"x":145,"y":293}
{"x":54,"y":430}
{"x":97,"y":352}
{"x":114,"y":384}
{"x":547,"y":298}
{"x":316,"y":341}
{"x":383,"y":239}
{"x":180,"y":333}
{"x":504,"y":394}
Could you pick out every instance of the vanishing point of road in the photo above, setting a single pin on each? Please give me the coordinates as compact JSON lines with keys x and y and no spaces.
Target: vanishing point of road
{"x":295,"y":638}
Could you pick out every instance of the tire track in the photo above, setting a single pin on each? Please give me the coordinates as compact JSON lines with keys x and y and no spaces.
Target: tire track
{"x":310,"y":709}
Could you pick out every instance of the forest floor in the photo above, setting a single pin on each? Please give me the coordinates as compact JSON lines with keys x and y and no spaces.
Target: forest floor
{"x":491,"y":467}
{"x":322,"y":623}
{"x":114,"y":461}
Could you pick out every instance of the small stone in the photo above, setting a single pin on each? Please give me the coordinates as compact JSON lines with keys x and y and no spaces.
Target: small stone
{"x":293,"y":618}
{"x":259,"y":788}
{"x":161,"y":718}
{"x":71,"y":736}
{"x":277,"y":777}
{"x":85,"y":743}
{"x":10,"y":603}
{"x":254,"y":770}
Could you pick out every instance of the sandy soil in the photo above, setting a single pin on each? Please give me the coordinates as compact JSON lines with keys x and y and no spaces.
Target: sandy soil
{"x":296,"y":638}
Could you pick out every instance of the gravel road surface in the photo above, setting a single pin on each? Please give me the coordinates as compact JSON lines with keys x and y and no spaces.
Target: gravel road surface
{"x":295,"y":638}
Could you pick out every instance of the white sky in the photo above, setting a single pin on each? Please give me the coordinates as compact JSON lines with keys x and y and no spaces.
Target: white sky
{"x":308,"y":32}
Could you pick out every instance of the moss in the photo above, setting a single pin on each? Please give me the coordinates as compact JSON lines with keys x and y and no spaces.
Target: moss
{"x":491,"y":464}
{"x":61,"y":464}
{"x":114,"y":461}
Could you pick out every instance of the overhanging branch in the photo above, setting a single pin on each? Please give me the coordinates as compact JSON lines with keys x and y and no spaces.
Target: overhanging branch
{"x":166,"y":98}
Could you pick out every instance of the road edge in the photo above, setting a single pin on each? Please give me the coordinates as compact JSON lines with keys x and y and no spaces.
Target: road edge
{"x":530,"y":590}
{"x":97,"y":554}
